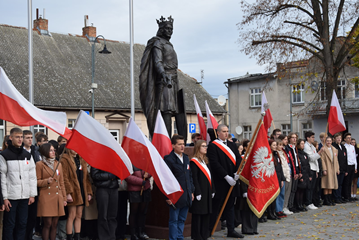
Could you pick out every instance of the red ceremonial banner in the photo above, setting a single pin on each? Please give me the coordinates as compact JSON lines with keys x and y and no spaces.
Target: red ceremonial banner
{"x":260,"y":176}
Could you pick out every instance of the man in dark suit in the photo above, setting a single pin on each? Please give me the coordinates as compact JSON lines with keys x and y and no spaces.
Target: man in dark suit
{"x":179,"y":164}
{"x":343,"y":165}
{"x":224,"y":160}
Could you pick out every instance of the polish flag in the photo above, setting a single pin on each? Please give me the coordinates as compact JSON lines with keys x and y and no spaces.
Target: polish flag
{"x":16,"y":109}
{"x":267,"y":120}
{"x":335,"y":120}
{"x":201,"y":123}
{"x":211,"y":121}
{"x":146,"y":157}
{"x":160,"y":138}
{"x":94,"y":143}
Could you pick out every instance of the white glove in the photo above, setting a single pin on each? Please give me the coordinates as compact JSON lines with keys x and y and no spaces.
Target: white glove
{"x":199,"y":197}
{"x":230,"y":180}
{"x":236,"y":176}
{"x":213,"y":195}
{"x":245,"y":195}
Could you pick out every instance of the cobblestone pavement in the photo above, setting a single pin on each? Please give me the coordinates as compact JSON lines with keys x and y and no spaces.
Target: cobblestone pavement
{"x":335,"y":222}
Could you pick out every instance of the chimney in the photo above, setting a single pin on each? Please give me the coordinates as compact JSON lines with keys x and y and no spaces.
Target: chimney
{"x":90,"y":31}
{"x":41,"y":23}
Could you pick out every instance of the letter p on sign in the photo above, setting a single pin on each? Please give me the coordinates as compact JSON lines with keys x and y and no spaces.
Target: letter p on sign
{"x":192,"y":127}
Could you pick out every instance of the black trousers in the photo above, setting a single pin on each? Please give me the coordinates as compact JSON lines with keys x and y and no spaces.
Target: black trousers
{"x":317,"y":191}
{"x":250,"y":221}
{"x":200,"y":226}
{"x":292,"y":193}
{"x":107,"y":203}
{"x":31,"y":219}
{"x":121,"y":214}
{"x":348,"y":179}
{"x":228,"y":212}
{"x":310,"y":191}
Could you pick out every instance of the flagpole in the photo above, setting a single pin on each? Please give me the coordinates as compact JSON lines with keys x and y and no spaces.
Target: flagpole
{"x":31,"y":84}
{"x":131,"y":63}
{"x":244,"y":160}
{"x":273,"y":124}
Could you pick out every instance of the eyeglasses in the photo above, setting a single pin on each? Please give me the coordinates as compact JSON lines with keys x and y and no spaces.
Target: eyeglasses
{"x":205,"y":146}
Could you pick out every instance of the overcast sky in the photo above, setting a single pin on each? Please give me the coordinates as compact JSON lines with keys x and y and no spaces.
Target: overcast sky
{"x":205,"y":32}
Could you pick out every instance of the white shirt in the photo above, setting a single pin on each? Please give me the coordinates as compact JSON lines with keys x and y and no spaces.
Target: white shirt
{"x":27,"y":150}
{"x":295,"y":154}
{"x":180,"y":157}
{"x":352,"y":159}
{"x":313,"y":156}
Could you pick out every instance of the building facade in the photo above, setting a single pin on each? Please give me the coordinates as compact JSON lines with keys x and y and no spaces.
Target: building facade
{"x":294,"y":90}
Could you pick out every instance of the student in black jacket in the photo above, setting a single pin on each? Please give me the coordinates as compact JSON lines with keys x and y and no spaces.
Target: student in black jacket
{"x":179,"y":164}
{"x":106,"y":195}
{"x":343,"y":166}
{"x":305,"y":179}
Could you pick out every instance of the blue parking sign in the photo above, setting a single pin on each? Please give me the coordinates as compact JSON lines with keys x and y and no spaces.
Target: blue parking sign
{"x":192,"y":127}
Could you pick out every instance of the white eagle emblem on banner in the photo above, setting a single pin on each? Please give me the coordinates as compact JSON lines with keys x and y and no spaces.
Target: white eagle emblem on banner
{"x":262,"y":164}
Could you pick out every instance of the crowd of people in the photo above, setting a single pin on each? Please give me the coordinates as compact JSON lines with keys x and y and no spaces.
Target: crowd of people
{"x":50,"y":191}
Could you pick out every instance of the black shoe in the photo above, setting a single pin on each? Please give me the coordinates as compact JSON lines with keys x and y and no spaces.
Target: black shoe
{"x":77,"y":236}
{"x":247,"y":233}
{"x":256,"y":233}
{"x":142,"y":235}
{"x":223,"y":225}
{"x":261,"y":220}
{"x":234,"y":234}
{"x":338,"y":201}
{"x":351,"y":199}
{"x":68,"y":236}
{"x":346,"y":200}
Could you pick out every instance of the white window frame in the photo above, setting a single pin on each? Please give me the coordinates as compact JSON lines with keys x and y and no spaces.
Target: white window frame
{"x":117,"y":136}
{"x":38,"y":128}
{"x":2,"y":127}
{"x":71,"y":123}
{"x":296,"y":95}
{"x":323,"y":88}
{"x":356,"y":90}
{"x":255,"y":92}
{"x":285,"y":129}
{"x":247,"y":132}
{"x":341,"y":88}
{"x":306,"y":127}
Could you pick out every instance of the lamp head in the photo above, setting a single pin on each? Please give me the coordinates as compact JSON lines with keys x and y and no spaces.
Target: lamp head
{"x":104,"y":50}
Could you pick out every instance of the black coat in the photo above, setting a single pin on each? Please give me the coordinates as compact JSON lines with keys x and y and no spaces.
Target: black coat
{"x":342,"y":157}
{"x":221,"y":166}
{"x":305,"y":169}
{"x":183,"y":174}
{"x":278,"y":168}
{"x":201,"y":187}
{"x":102,"y":179}
{"x":290,"y":150}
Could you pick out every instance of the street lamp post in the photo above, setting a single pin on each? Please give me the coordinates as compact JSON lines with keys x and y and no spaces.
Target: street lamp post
{"x":93,"y":84}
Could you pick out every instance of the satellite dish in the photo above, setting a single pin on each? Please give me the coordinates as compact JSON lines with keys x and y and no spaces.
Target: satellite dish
{"x":314,"y":85}
{"x":239,"y":130}
{"x":221,"y":100}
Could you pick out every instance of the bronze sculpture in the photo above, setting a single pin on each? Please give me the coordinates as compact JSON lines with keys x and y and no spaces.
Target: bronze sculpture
{"x":159,"y":82}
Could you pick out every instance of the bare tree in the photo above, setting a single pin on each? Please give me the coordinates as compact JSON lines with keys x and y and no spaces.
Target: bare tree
{"x":282,"y":31}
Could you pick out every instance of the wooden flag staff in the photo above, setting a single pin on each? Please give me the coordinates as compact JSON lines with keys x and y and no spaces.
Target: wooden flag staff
{"x":244,"y":160}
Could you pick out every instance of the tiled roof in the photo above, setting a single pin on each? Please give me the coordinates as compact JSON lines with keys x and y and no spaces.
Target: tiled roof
{"x":62,"y":72}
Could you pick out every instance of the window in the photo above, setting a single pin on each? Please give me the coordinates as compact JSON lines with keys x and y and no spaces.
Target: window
{"x":115,"y":134}
{"x":71,"y":123}
{"x":306,"y":127}
{"x":39,"y":128}
{"x":323,"y":89}
{"x":341,"y":89}
{"x":247,"y":132}
{"x":2,"y":130}
{"x":285,"y":129}
{"x":256,"y":97}
{"x":298,"y":93}
{"x":356,"y":90}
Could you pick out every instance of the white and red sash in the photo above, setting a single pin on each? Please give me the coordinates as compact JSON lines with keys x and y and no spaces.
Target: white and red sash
{"x":203,"y":167}
{"x":226,"y":150}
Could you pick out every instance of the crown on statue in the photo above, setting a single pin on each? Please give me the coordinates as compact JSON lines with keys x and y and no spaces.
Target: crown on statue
{"x":162,"y":22}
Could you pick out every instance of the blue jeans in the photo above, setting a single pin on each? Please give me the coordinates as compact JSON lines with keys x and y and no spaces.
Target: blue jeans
{"x":16,"y":219}
{"x":176,"y":222}
{"x":280,"y":199}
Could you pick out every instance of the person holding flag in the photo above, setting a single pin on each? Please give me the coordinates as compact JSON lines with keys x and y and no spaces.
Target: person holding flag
{"x":179,"y":164}
{"x":224,"y":160}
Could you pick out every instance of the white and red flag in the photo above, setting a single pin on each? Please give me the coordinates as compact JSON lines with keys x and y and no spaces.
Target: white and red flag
{"x":160,"y":138}
{"x":268,"y":119}
{"x":94,"y":143}
{"x":201,"y":123}
{"x":336,"y":121}
{"x":260,"y":175}
{"x":16,"y":109}
{"x":211,"y":121}
{"x":146,"y":157}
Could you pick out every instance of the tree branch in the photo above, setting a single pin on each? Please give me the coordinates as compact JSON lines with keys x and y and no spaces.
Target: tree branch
{"x":302,"y":25}
{"x":336,"y":26}
{"x":290,"y":43}
{"x":345,"y":49}
{"x":298,"y":39}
